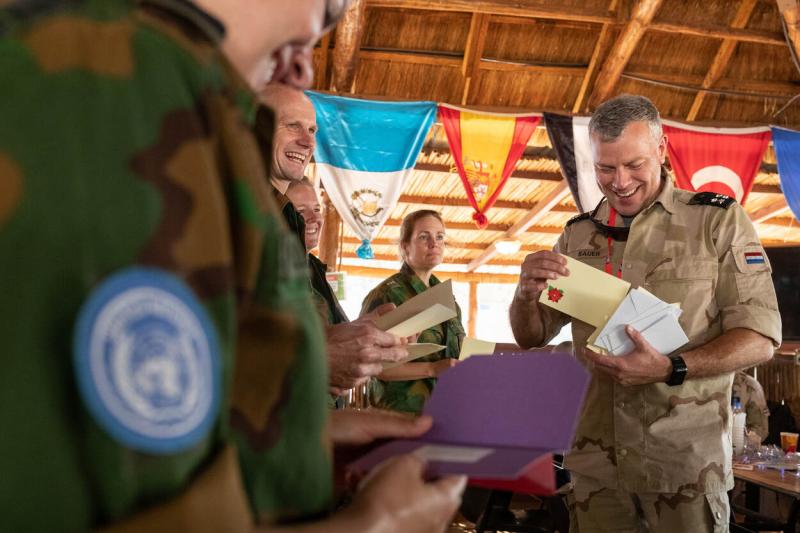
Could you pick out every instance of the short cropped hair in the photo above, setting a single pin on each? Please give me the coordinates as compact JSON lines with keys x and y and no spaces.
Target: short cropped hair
{"x":612,"y":116}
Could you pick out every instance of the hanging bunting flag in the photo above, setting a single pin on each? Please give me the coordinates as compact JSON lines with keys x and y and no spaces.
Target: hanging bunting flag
{"x":485,"y":148}
{"x":720,"y":160}
{"x":570,"y":139}
{"x":365,"y":151}
{"x":787,"y":150}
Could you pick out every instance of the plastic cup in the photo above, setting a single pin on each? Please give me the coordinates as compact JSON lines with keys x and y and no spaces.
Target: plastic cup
{"x":789,"y":442}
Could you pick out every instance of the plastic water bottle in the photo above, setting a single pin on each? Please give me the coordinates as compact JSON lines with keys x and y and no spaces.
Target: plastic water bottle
{"x":737,"y":435}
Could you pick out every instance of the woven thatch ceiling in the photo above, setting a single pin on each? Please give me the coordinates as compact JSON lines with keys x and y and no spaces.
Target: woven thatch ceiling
{"x":712,"y":62}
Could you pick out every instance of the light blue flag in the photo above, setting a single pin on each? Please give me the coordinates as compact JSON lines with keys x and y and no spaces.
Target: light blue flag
{"x":365,"y":151}
{"x":787,"y":149}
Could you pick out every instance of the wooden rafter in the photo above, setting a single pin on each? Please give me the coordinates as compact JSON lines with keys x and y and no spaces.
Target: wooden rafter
{"x":466,"y":261}
{"x":348,"y":40}
{"x":444,"y":201}
{"x":778,"y":207}
{"x":602,"y":39}
{"x":723,"y":57}
{"x":531,"y":217}
{"x":720,"y":32}
{"x":395,"y":222}
{"x":479,"y":277}
{"x":790,"y":12}
{"x":542,"y":175}
{"x":478,"y":28}
{"x":512,"y":8}
{"x":623,"y":49}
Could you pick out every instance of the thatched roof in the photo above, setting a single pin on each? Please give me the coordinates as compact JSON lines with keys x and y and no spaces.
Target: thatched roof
{"x":710,"y":62}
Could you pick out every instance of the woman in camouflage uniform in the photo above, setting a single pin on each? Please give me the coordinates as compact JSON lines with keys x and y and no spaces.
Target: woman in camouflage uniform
{"x":405,"y":388}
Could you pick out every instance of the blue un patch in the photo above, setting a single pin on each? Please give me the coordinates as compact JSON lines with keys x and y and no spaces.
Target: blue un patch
{"x":147,"y":361}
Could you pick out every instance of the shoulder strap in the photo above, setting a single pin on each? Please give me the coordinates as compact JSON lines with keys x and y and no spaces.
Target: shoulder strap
{"x":712,"y":198}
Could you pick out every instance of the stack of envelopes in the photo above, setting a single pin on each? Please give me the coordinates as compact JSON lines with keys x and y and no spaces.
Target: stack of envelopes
{"x":607,"y":302}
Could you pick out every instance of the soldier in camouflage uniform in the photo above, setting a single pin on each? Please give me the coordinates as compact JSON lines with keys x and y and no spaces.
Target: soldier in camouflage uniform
{"x":127,"y":170}
{"x":652,"y":451}
{"x":751,"y":394}
{"x":405,"y":388}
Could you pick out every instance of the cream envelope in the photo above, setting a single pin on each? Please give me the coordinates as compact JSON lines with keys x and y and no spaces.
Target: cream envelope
{"x":470,"y":347}
{"x":587,"y":294}
{"x":421,"y":312}
{"x":415,"y":351}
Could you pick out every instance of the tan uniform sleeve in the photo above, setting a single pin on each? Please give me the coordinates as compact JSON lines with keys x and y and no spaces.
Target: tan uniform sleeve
{"x":745,"y":294}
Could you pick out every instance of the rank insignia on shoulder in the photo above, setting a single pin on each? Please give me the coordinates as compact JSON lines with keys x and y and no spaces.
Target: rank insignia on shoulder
{"x":578,"y":218}
{"x":147,"y":363}
{"x":712,"y":198}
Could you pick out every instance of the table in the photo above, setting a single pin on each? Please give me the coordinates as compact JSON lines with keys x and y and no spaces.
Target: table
{"x":770,"y":479}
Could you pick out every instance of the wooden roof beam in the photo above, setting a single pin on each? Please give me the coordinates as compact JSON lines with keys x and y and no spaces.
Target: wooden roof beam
{"x":512,"y":8}
{"x":778,"y":207}
{"x":721,"y":32}
{"x":623,"y":49}
{"x":348,"y":41}
{"x":480,"y":277}
{"x":444,"y":201}
{"x":531,"y":217}
{"x":723,"y":56}
{"x":788,"y":222}
{"x":543,"y":175}
{"x":456,"y":260}
{"x":470,"y":226}
{"x":790,"y":12}
{"x":470,"y":66}
{"x":600,"y":44}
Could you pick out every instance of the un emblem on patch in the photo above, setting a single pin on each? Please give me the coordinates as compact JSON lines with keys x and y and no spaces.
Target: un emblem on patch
{"x":147,"y":363}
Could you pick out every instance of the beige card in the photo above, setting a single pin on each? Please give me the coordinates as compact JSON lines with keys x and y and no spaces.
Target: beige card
{"x":587,"y":294}
{"x":423,"y":311}
{"x":470,"y":347}
{"x":415,"y":351}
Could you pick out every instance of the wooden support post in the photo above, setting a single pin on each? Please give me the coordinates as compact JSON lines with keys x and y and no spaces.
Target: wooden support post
{"x":348,"y":41}
{"x":473,"y":308}
{"x":329,"y":240}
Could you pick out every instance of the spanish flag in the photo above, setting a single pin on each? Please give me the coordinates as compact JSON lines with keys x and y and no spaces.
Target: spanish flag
{"x":485,"y":148}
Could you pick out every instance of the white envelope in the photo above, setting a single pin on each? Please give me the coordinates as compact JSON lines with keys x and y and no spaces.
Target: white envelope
{"x":655,"y":319}
{"x":665,"y":335}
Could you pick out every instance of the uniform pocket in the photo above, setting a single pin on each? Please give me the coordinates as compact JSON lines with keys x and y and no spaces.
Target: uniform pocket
{"x":753,"y":272}
{"x":690,"y":282}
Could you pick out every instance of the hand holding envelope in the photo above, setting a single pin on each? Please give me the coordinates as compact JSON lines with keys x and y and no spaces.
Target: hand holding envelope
{"x":423,"y":311}
{"x":588,"y":294}
{"x":607,"y":302}
{"x":656,"y":320}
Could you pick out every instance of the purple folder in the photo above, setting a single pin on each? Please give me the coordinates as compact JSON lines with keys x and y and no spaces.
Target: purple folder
{"x":494,"y":415}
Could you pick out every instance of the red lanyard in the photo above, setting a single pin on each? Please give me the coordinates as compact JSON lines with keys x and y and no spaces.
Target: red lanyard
{"x":612,"y":218}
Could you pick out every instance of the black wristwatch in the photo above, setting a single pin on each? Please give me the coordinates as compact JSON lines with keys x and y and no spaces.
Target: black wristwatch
{"x":678,"y":371}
